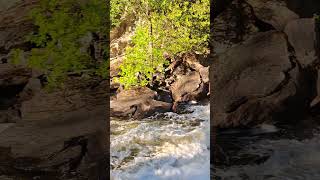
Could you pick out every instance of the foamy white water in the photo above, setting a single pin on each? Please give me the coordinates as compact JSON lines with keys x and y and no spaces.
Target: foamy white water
{"x":170,"y":147}
{"x":290,"y":160}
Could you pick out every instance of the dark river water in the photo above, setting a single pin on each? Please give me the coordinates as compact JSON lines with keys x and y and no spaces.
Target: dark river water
{"x":270,"y":152}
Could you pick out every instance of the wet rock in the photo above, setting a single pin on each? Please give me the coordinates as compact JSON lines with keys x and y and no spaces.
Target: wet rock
{"x":137,"y":103}
{"x":256,"y":82}
{"x":164,"y":95}
{"x":302,"y":36}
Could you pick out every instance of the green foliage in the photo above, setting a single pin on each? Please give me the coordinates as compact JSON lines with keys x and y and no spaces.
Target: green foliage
{"x":116,"y":11}
{"x":164,"y":26}
{"x":103,"y":70}
{"x":183,"y":25}
{"x":16,"y":56}
{"x":62,"y":26}
{"x":317,"y":17}
{"x":317,"y":20}
{"x":141,"y":61}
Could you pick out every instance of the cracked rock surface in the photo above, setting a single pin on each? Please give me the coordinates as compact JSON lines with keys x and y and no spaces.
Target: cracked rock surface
{"x":257,"y":82}
{"x":271,"y":74}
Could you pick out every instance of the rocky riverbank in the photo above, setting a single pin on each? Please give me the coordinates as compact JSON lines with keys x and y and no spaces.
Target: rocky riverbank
{"x":265,"y":90}
{"x":186,"y":79}
{"x":47,"y":135}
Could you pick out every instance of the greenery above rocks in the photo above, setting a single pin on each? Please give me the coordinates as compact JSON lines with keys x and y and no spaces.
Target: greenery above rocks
{"x":66,"y":30}
{"x":163,"y":29}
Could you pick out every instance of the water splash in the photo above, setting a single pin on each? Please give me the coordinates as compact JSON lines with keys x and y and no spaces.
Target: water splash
{"x":167,"y":146}
{"x":290,"y":159}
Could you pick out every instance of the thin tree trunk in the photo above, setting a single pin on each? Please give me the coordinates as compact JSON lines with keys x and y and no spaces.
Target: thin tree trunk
{"x":151,"y":43}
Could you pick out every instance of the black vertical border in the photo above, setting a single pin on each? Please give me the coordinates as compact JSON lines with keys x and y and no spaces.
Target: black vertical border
{"x":108,"y":26}
{"x":212,"y":128}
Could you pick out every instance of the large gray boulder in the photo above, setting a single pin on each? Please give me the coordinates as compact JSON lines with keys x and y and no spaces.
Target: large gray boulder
{"x":257,"y":81}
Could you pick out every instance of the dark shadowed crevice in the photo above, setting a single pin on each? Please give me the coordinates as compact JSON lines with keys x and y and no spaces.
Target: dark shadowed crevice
{"x":9,"y":95}
{"x":262,"y":26}
{"x":4,"y":61}
{"x":219,"y":6}
{"x":299,"y":104}
{"x":304,"y":8}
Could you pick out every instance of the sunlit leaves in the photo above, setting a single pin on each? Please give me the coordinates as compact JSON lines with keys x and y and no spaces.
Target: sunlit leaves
{"x":61,"y":26}
{"x":178,"y":26}
{"x":141,"y":60}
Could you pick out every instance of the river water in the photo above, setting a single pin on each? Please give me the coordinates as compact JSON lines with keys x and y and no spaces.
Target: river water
{"x":167,"y":146}
{"x":270,"y":152}
{"x":173,"y":146}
